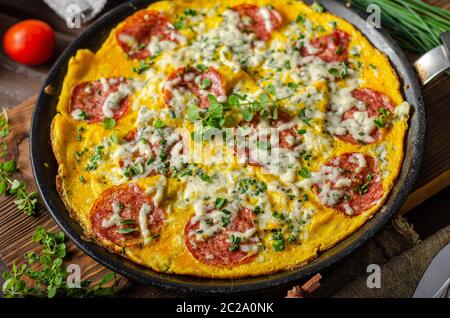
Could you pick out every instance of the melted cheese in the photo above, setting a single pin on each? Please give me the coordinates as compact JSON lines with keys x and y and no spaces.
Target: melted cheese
{"x":265,"y":13}
{"x":158,"y":190}
{"x":143,"y":214}
{"x":115,"y":218}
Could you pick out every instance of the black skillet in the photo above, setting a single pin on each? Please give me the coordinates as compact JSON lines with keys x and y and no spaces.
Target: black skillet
{"x":41,"y":153}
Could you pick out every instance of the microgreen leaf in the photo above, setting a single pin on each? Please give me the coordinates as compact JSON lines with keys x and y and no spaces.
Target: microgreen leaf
{"x":247,"y":113}
{"x":193,"y":113}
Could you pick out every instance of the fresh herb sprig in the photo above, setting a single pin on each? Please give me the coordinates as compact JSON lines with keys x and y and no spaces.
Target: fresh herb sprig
{"x":220,"y":113}
{"x":26,"y":202}
{"x":4,"y":125}
{"x":49,"y":274}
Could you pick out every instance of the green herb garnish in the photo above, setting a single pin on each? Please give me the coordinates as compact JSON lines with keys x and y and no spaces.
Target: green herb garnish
{"x":126,"y":230}
{"x":158,"y":124}
{"x":114,"y":138}
{"x":278,"y":243}
{"x":220,"y":202}
{"x":205,"y":83}
{"x":383,"y":119}
{"x":178,"y":25}
{"x":235,"y":240}
{"x":109,"y":123}
{"x":304,"y":172}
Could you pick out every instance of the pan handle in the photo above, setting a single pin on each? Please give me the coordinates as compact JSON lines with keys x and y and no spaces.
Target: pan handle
{"x":435,"y":61}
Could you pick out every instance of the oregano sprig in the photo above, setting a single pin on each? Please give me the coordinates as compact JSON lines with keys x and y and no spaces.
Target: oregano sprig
{"x":219,"y":113}
{"x":26,"y":202}
{"x":49,"y":274}
{"x":4,"y":125}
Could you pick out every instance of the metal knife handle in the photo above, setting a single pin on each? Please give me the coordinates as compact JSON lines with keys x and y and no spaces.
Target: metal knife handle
{"x":442,"y":292}
{"x":435,"y":61}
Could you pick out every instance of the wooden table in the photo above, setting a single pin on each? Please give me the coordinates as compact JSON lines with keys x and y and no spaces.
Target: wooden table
{"x":18,"y":83}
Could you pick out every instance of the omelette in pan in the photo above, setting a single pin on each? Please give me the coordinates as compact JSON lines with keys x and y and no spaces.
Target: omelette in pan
{"x":228,"y":139}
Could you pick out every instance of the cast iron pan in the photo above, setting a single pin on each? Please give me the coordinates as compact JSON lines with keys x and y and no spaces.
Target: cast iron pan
{"x":41,"y":153}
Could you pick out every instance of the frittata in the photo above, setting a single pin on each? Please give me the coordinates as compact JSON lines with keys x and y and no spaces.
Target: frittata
{"x":228,"y":139}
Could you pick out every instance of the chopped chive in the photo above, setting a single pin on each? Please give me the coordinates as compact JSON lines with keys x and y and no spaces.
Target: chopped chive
{"x":109,"y":123}
{"x":304,"y":172}
{"x":126,"y":230}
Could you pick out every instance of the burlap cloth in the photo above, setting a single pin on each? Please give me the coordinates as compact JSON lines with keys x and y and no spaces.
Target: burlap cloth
{"x":399,"y":252}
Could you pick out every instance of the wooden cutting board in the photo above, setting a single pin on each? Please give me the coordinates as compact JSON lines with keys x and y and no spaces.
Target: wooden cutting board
{"x":16,"y":228}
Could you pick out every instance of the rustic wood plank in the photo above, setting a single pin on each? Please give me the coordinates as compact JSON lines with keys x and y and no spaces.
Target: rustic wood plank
{"x":436,"y":158}
{"x":425,"y":192}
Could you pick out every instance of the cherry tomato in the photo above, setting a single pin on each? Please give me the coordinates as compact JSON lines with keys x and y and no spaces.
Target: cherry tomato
{"x":29,"y":42}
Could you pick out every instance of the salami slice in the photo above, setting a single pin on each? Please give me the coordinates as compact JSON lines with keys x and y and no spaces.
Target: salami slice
{"x":88,"y":99}
{"x":135,"y":36}
{"x":117,"y":213}
{"x":200,"y":83}
{"x":218,"y":249}
{"x":375,"y":103}
{"x":288,"y":138}
{"x":260,"y":20}
{"x":350,"y":183}
{"x":330,"y":48}
{"x":374,"y":100}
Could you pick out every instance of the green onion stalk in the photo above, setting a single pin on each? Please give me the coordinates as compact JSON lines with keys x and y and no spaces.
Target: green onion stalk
{"x":416,"y":25}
